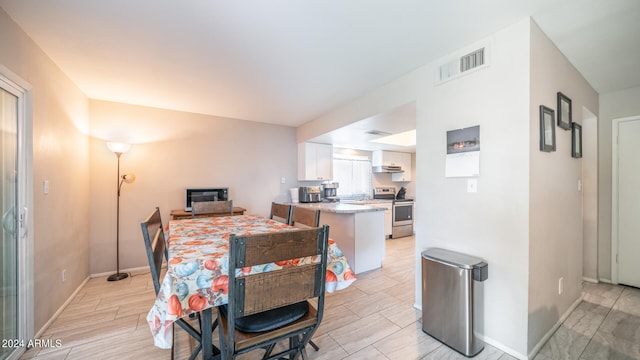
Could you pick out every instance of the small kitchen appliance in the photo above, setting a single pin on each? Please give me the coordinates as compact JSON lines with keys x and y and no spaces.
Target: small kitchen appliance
{"x":204,"y":194}
{"x":330,"y":191}
{"x":401,"y":193}
{"x":309,"y":194}
{"x":294,"y":194}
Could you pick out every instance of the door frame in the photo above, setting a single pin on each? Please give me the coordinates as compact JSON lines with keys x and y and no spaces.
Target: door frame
{"x":614,"y":194}
{"x":24,"y":91}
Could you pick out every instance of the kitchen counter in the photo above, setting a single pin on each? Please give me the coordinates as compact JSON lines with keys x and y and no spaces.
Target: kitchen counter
{"x":339,"y":208}
{"x":359,"y":231}
{"x":368,"y":202}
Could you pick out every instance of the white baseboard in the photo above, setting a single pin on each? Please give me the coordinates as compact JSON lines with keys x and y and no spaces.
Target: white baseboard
{"x":505,"y":349}
{"x":70,"y":299}
{"x":591,"y":280}
{"x":142,"y":268}
{"x":607,"y":281}
{"x":60,"y":310}
{"x":555,"y":327}
{"x":496,"y":344}
{"x":500,"y":346}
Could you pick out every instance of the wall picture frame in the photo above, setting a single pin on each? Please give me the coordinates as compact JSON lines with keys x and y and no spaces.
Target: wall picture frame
{"x":576,"y":140}
{"x":547,"y":129}
{"x":564,"y":112}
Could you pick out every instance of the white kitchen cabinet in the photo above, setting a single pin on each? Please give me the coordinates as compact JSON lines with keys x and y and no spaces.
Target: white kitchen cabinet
{"x":388,"y":219}
{"x":381,"y":158}
{"x":394,"y":158}
{"x":405,"y":163}
{"x":315,"y":162}
{"x":360,"y":236}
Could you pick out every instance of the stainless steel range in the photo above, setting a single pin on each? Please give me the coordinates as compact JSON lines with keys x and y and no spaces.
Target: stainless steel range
{"x":402,"y":213}
{"x":402,"y":218}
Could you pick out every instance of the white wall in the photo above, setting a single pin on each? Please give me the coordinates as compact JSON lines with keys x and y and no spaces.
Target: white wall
{"x":492,"y":223}
{"x":590,"y":195}
{"x":555,"y":237}
{"x":173,"y":150}
{"x":613,"y":106}
{"x":390,"y":96}
{"x":60,"y":155}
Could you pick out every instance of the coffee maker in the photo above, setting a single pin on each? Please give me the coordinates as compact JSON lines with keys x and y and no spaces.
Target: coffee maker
{"x":330,"y":191}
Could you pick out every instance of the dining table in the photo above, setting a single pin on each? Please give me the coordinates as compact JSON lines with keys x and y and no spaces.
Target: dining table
{"x":197,"y":271}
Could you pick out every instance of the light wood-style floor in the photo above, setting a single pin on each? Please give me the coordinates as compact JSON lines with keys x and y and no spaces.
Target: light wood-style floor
{"x":372,"y":319}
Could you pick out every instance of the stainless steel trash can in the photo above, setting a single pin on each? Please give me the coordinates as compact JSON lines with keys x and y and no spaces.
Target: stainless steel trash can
{"x":453,"y":299}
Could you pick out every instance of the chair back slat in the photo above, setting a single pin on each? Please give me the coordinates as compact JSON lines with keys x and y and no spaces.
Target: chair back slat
{"x":280,"y":212}
{"x":298,"y":283}
{"x":211,"y":207}
{"x":155,"y":244}
{"x":268,"y":248}
{"x":305,"y":217}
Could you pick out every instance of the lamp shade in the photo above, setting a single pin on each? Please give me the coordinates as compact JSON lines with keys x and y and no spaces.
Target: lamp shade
{"x":117,"y":147}
{"x":129,"y":178}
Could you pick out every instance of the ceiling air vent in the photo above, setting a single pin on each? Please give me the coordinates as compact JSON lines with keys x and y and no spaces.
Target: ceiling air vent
{"x":377,"y":133}
{"x":462,"y":64}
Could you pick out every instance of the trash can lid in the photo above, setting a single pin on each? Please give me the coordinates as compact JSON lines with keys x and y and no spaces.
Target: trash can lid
{"x":452,"y":258}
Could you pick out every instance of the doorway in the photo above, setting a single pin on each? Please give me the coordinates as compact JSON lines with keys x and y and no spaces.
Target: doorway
{"x":15,"y":291}
{"x":625,"y":209}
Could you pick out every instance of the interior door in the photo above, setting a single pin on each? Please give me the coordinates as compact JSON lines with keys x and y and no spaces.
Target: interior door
{"x":12,"y":302}
{"x":628,"y":198}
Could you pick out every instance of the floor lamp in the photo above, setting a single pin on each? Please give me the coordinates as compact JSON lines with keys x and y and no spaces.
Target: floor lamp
{"x":119,"y":149}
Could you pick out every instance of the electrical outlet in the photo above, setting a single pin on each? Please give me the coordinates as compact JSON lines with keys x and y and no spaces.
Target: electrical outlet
{"x":560,"y":285}
{"x":64,"y":275}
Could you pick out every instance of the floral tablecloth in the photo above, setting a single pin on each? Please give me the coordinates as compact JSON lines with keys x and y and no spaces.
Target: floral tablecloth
{"x":197,"y":273}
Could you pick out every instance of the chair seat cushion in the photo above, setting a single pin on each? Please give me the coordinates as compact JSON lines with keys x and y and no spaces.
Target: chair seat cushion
{"x":271,"y":319}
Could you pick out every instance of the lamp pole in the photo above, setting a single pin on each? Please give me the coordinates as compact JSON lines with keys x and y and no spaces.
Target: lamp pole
{"x":118,"y":276}
{"x":119,"y":149}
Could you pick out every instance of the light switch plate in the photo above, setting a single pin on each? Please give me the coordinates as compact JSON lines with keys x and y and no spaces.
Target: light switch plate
{"x":472,"y":185}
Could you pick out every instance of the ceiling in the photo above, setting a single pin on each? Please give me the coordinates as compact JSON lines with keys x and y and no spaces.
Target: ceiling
{"x":290,"y":61}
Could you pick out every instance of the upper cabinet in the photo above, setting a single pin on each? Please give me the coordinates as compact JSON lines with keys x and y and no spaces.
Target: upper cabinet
{"x":382,"y":158}
{"x":393,"y":158}
{"x":315,"y":162}
{"x":405,"y":162}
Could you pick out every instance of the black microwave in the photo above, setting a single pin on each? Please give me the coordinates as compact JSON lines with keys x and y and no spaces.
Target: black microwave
{"x":204,"y":194}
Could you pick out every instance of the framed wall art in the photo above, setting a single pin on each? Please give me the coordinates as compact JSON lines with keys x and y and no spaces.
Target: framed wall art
{"x":564,"y":112}
{"x":547,"y":129}
{"x":576,"y":140}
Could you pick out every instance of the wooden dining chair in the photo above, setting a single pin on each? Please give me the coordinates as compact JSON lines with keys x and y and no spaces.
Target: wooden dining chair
{"x":280,"y":212}
{"x":268,"y":307}
{"x":211,"y":207}
{"x":305,"y":217}
{"x":156,"y":246}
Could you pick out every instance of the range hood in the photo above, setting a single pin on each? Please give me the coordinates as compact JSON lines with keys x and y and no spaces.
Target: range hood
{"x":388,"y":169}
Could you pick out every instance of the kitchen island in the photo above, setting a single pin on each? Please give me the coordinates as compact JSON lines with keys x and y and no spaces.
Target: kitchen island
{"x":358,"y":231}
